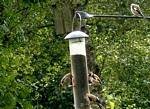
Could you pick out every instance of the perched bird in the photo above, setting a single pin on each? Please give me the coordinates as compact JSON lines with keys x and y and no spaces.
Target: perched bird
{"x":136,"y":10}
{"x":101,"y":103}
{"x":93,"y":79}
{"x":67,"y":79}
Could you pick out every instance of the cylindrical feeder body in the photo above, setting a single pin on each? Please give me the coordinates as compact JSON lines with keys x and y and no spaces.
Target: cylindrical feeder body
{"x":79,"y":69}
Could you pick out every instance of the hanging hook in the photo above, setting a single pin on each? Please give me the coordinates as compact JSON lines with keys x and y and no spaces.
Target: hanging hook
{"x":75,"y":16}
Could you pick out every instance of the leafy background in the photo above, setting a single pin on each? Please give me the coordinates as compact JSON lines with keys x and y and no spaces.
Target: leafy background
{"x":33,"y":58}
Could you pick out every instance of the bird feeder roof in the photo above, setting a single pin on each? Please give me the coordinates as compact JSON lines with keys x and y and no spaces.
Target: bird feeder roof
{"x":76,"y":34}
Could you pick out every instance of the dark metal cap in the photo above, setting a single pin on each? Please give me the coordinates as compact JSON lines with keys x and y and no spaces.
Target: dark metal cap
{"x":76,"y":34}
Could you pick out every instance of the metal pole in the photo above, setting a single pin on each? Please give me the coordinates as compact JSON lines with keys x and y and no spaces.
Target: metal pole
{"x":85,"y":15}
{"x":121,"y":16}
{"x":79,"y":69}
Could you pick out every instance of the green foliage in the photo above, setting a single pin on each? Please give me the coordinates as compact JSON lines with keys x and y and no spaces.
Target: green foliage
{"x":122,"y":51}
{"x":33,"y":58}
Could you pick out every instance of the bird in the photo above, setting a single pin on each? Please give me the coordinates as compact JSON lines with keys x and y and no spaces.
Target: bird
{"x":100,"y":102}
{"x":136,"y":10}
{"x":67,"y":78}
{"x":93,"y":79}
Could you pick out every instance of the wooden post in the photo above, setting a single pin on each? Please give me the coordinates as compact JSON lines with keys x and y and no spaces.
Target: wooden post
{"x":63,"y":15}
{"x":79,"y":69}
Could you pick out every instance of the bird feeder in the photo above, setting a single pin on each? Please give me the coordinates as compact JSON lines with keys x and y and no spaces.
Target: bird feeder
{"x":79,"y":68}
